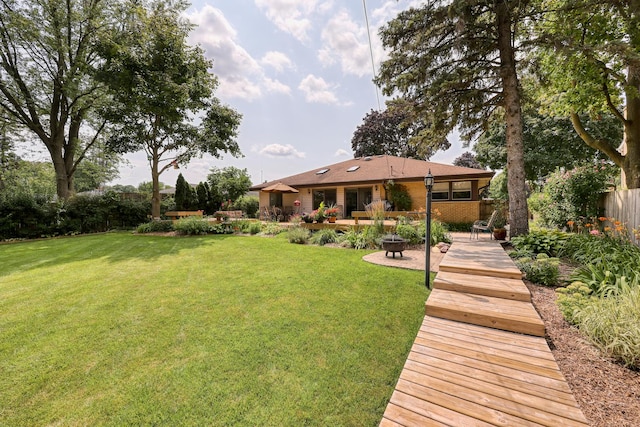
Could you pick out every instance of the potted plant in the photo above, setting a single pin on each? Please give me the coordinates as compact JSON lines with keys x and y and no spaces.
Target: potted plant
{"x":308,"y":217}
{"x":332,"y":213}
{"x":499,"y":224}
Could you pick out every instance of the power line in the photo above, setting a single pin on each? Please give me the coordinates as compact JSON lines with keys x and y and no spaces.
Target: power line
{"x":373,"y":66}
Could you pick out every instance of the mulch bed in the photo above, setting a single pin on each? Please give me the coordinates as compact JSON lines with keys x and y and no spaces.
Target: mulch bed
{"x":608,"y":393}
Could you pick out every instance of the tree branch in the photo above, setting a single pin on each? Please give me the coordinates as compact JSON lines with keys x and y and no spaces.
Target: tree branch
{"x":603,"y":146}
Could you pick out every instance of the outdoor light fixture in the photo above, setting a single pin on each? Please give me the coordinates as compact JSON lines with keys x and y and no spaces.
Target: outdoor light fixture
{"x":428,"y":183}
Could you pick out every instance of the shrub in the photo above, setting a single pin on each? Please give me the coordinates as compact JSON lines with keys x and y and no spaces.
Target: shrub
{"x":322,"y":237}
{"x":368,"y":238}
{"x":298,"y":235}
{"x":609,"y":324}
{"x":271,"y":229}
{"x":192,"y":226}
{"x":541,"y":241}
{"x":542,"y":270}
{"x":573,"y":194}
{"x":398,"y":195}
{"x":439,"y":232}
{"x":155,"y":227}
{"x":255,"y":227}
{"x":573,"y":299}
{"x":248,"y":205}
{"x":409,"y":233}
{"x":605,"y":279}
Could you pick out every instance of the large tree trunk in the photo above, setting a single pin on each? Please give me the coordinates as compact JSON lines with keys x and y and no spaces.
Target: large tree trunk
{"x":518,"y":210}
{"x":155,"y":178}
{"x":631,"y":162}
{"x":59,"y":157}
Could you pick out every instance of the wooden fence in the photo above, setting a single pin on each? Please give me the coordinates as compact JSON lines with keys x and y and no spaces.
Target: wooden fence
{"x":624,"y":205}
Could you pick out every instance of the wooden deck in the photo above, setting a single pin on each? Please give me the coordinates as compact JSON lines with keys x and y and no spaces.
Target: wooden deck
{"x":480,"y":357}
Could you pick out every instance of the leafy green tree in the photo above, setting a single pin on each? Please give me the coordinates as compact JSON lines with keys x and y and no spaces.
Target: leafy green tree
{"x":467,"y":160}
{"x":587,"y":64}
{"x":202,"y":191}
{"x":157,"y":85}
{"x":30,"y":178}
{"x":46,"y":50}
{"x":396,"y":132}
{"x":228,"y":183}
{"x":182,"y":196}
{"x":455,"y":62}
{"x":549,"y":143}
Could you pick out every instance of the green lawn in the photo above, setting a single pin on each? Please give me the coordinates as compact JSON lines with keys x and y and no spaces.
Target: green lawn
{"x":120,"y":329}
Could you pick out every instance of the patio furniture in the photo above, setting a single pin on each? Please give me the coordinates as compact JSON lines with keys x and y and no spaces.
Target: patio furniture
{"x":481,"y":225}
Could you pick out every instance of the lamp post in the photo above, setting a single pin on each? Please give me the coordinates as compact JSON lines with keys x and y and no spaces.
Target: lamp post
{"x":428,"y":183}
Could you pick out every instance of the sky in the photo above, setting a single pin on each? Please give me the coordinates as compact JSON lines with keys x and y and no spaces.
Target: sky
{"x":300,"y":73}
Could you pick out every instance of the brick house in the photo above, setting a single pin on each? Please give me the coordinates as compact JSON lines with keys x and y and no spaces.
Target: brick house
{"x":356,"y":182}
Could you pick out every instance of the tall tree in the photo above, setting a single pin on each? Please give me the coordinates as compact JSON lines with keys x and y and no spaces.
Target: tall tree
{"x":396,"y":132}
{"x":46,"y":50}
{"x":158,"y":84}
{"x":549,"y":143}
{"x":588,"y":65}
{"x":467,"y":160}
{"x":228,"y":183}
{"x":455,"y":61}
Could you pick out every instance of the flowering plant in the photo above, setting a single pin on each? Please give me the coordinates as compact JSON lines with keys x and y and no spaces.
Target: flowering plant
{"x":332,"y":210}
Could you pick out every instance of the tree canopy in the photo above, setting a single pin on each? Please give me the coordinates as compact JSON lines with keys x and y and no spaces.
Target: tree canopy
{"x":228,"y":183}
{"x":157,"y":85}
{"x":396,"y":132}
{"x":587,"y":65}
{"x":455,"y":63}
{"x":549,"y":143}
{"x":46,"y":51}
{"x":467,"y":160}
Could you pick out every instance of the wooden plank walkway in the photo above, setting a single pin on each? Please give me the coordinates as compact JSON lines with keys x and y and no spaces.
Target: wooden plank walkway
{"x":467,"y":366}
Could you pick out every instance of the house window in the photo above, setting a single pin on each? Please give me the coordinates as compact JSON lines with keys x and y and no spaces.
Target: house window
{"x":440,"y":191}
{"x":328,"y":196}
{"x":275,"y":199}
{"x":461,"y":190}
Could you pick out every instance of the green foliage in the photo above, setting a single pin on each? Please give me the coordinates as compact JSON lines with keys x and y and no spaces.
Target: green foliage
{"x":541,"y":241}
{"x":409,"y":232}
{"x":398,"y":195}
{"x":393,"y":131}
{"x":607,"y":278}
{"x":498,"y":187}
{"x":271,"y":229}
{"x":229,"y":183}
{"x":573,"y":299}
{"x":155,"y":227}
{"x":367,"y":238}
{"x":573,"y":194}
{"x":322,"y":237}
{"x":48,"y":54}
{"x":255,"y":227}
{"x":611,"y":324}
{"x":155,"y":110}
{"x":549,"y":143}
{"x":182,"y":194}
{"x":542,"y":269}
{"x":247,"y":204}
{"x":439,"y":232}
{"x":192,"y":226}
{"x":298,"y":235}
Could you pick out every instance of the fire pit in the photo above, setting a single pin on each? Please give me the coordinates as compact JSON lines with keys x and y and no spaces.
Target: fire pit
{"x":393,"y":243}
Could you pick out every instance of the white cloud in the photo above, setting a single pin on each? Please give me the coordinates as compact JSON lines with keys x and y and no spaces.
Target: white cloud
{"x":315,"y":89}
{"x":342,"y":153}
{"x":276,"y":60}
{"x":346,"y":41}
{"x":239,"y":74}
{"x":276,"y":86}
{"x":290,"y":16}
{"x":278,"y":150}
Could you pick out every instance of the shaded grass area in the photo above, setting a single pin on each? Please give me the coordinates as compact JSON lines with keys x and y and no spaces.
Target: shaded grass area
{"x":120,"y":329}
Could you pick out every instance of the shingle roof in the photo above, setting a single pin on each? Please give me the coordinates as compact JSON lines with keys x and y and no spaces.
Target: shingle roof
{"x":376,"y":169}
